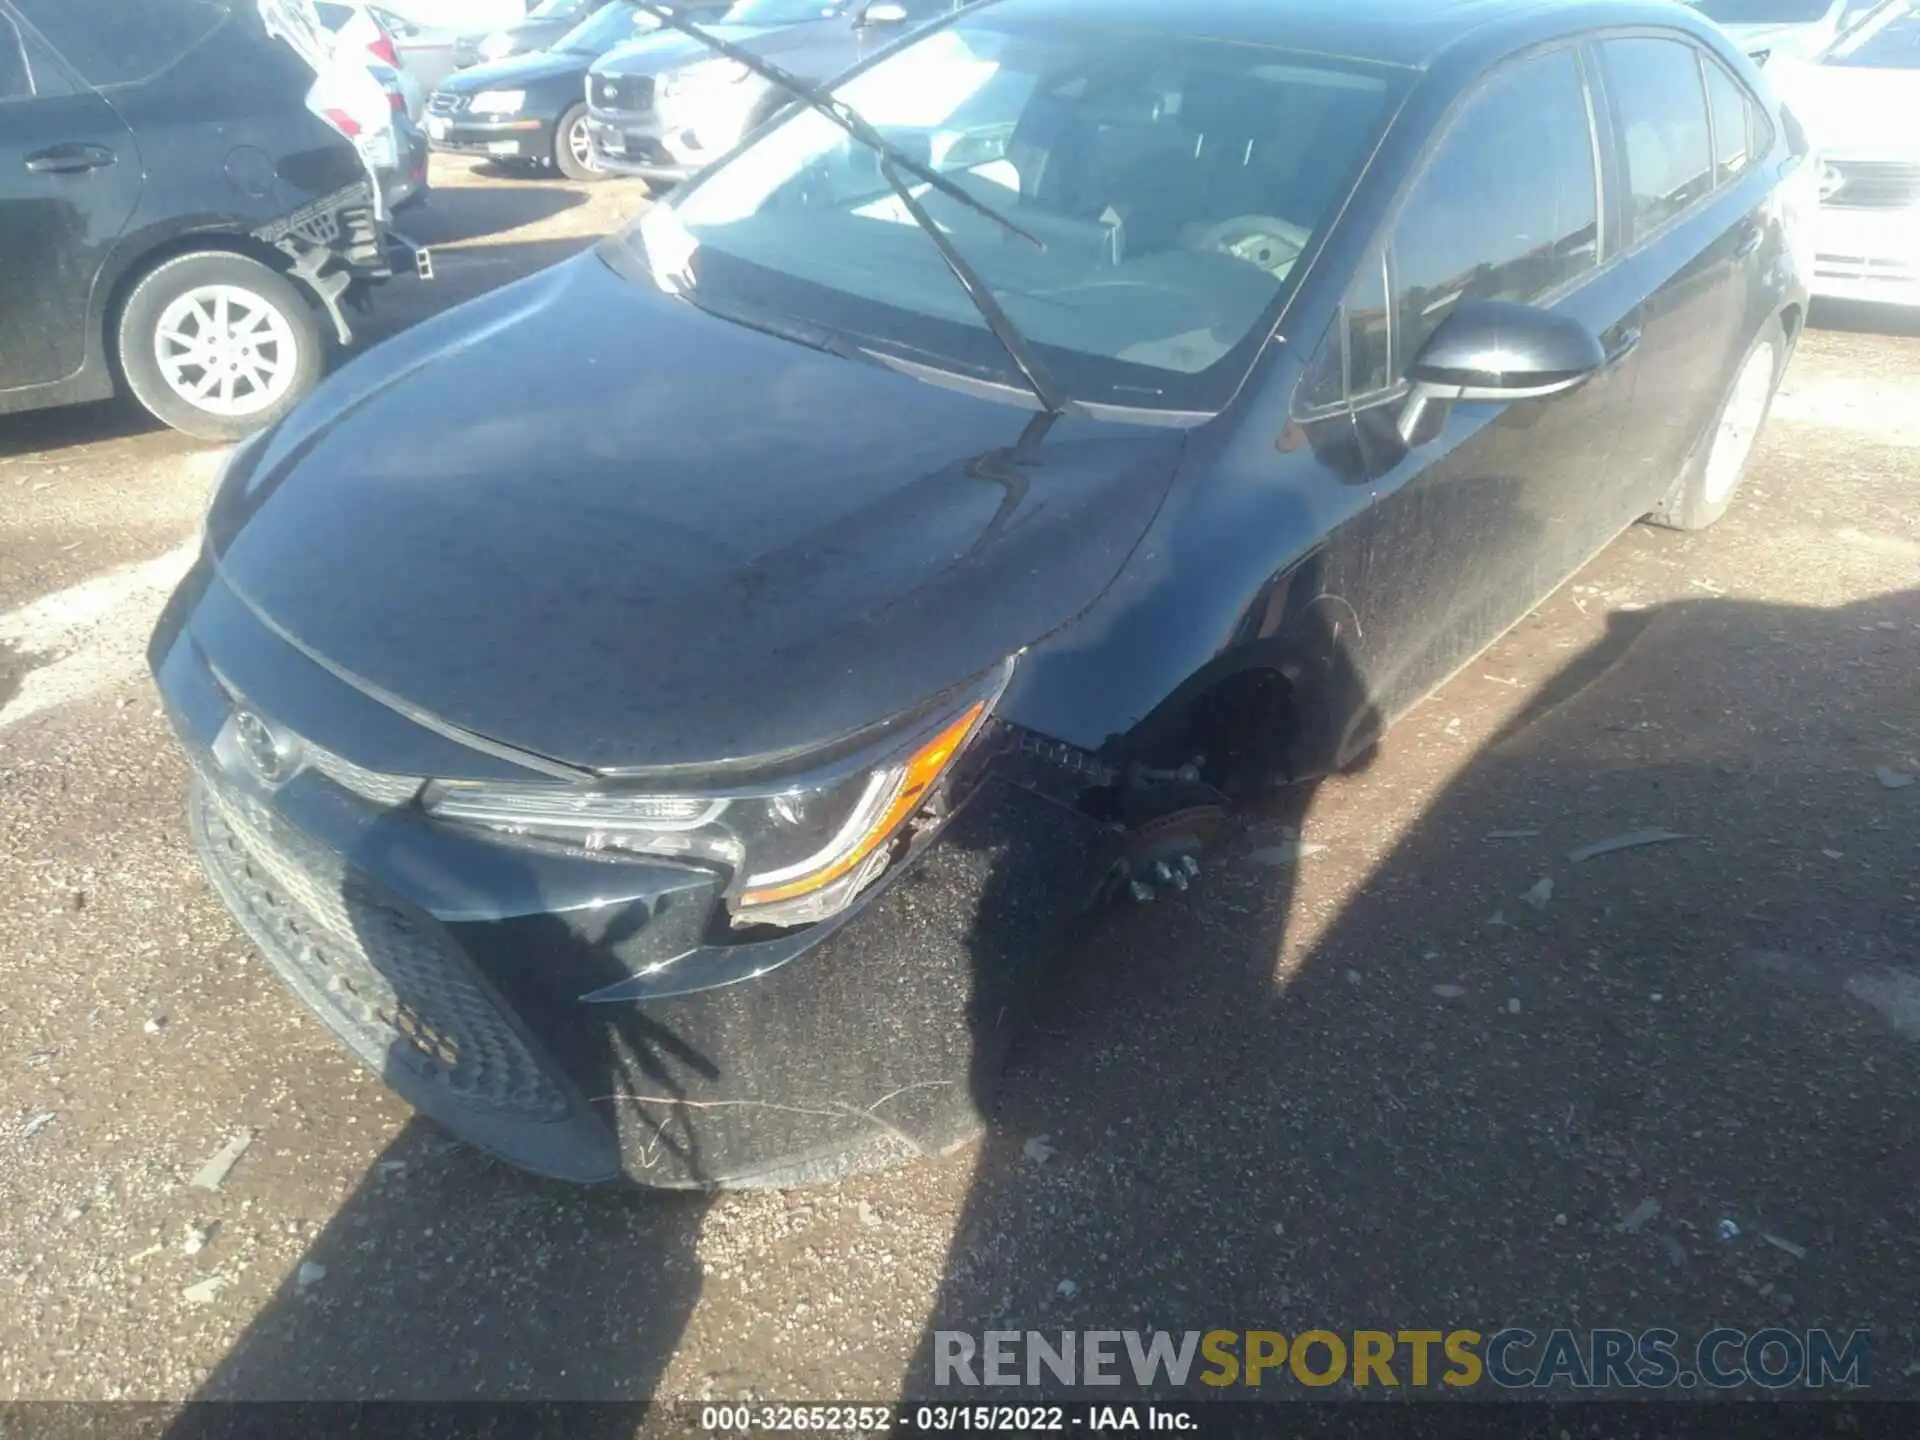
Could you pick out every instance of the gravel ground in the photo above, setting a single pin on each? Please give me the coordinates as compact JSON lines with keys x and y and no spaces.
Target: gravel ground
{"x":1373,"y":1087}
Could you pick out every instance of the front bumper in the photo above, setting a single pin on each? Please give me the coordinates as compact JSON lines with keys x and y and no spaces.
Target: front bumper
{"x":584,"y":1018}
{"x":1867,"y":255}
{"x":508,"y":138}
{"x":625,"y":143}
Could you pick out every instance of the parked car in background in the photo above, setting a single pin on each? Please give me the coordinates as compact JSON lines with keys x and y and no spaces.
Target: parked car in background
{"x":662,"y":714}
{"x":544,"y":24}
{"x":1860,"y":101}
{"x":664,"y":107}
{"x":401,"y":169}
{"x":530,"y":110}
{"x":177,"y":207}
{"x":1765,"y":28}
{"x":426,"y":50}
{"x":358,"y":29}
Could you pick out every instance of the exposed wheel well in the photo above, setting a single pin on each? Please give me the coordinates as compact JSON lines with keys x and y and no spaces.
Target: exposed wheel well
{"x":1239,"y":730}
{"x":1791,"y":319}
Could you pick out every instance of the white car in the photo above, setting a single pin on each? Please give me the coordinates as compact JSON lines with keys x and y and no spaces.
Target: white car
{"x":1767,"y":29}
{"x":1860,"y":102}
{"x":347,"y":94}
{"x":363,"y":30}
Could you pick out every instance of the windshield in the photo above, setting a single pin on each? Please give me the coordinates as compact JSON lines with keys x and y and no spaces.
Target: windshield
{"x":1174,"y":181}
{"x":600,"y":31}
{"x":1764,"y":12}
{"x":1889,"y":44}
{"x":782,"y":12}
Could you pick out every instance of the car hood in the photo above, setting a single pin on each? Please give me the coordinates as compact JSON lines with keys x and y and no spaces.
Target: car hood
{"x":538,"y":34}
{"x":669,"y":49}
{"x":1792,"y":39}
{"x":1855,"y":110}
{"x":517,"y":70}
{"x":587,"y":520}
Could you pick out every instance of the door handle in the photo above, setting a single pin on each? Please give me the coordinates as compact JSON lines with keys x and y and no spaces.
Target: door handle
{"x":70,"y":159}
{"x":1750,"y":239}
{"x":1628,"y":342}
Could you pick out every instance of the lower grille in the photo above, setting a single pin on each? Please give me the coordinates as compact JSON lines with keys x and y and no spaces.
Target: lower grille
{"x":382,"y":974}
{"x":1866,"y":267}
{"x":1873,"y":185}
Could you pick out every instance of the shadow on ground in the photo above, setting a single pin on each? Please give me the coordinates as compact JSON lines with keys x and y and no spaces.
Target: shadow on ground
{"x":473,"y":212}
{"x":1860,"y":318}
{"x":1430,"y":1105}
{"x":1404,"y":1098}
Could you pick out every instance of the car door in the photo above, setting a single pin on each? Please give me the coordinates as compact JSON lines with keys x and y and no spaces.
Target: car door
{"x":69,"y":182}
{"x":1490,"y":507}
{"x":1693,"y":256}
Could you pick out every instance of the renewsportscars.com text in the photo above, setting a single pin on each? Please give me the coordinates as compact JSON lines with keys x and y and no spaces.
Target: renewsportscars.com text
{"x":1511,"y":1358}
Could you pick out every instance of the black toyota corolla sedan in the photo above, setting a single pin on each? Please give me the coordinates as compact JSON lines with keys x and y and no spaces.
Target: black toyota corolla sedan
{"x":663,"y":714}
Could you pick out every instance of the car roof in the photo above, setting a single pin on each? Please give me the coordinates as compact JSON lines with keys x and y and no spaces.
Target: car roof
{"x":1408,"y":33}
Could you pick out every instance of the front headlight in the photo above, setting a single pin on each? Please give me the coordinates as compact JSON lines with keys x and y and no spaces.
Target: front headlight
{"x":498,"y":102}
{"x":797,"y":850}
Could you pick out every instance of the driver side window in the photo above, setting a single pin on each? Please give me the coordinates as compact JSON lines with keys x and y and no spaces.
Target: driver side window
{"x":1508,"y":208}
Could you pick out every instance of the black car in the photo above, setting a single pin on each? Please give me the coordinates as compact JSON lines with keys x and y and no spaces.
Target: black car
{"x":532,"y":109}
{"x":664,"y":107}
{"x":172,"y":215}
{"x":661,"y":714}
{"x":547,"y":21}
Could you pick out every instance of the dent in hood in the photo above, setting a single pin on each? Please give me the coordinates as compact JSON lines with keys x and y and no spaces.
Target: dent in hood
{"x":589,"y":521}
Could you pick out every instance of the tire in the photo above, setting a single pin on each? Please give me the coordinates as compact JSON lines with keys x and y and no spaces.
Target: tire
{"x":572,"y":149}
{"x":1713,"y":474}
{"x":278,"y":360}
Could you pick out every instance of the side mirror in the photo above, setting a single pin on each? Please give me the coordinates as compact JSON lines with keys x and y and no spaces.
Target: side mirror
{"x":1497,"y":350}
{"x":883,"y":12}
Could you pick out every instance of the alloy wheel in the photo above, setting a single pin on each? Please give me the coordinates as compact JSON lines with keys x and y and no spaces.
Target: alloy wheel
{"x":226,"y":350}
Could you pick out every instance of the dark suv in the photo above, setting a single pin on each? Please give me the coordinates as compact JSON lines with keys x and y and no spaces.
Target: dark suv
{"x":172,"y":215}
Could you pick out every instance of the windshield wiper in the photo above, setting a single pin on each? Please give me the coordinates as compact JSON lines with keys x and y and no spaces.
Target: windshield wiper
{"x":1052,"y":398}
{"x":841,"y":114}
{"x":893,"y":160}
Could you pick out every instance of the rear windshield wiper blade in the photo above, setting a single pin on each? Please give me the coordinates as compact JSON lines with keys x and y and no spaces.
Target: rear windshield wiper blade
{"x":843,"y":115}
{"x":893,"y":160}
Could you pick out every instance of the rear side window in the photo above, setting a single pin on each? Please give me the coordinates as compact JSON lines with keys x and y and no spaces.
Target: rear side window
{"x":1735,"y":127}
{"x":111,"y":42}
{"x":1508,"y":208}
{"x":1662,"y":110}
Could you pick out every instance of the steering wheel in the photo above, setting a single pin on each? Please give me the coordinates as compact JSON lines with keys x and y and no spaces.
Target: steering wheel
{"x":1263,"y":241}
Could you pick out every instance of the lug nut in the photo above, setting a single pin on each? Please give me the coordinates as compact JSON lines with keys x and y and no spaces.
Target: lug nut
{"x":1191,"y":865}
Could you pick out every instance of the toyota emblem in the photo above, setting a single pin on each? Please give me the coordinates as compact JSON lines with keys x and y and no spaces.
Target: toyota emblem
{"x":258,"y":749}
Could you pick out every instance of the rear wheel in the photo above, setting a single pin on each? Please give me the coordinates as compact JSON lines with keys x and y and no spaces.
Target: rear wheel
{"x":573,"y":147}
{"x":1707,"y":487}
{"x":218,"y":345}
